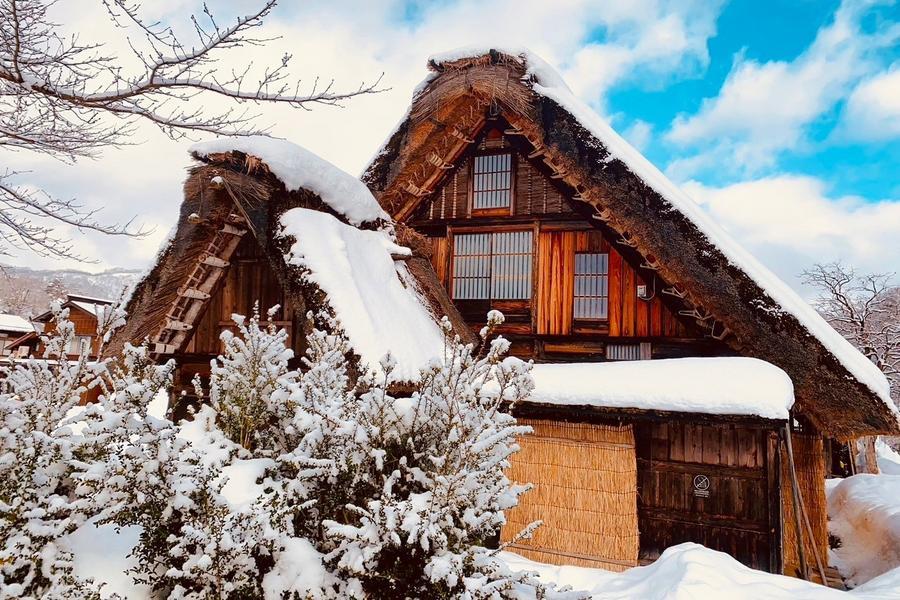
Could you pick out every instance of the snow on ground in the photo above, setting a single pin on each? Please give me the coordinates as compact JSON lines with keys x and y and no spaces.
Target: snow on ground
{"x":692,"y":572}
{"x":864,"y":512}
{"x":298,"y":168}
{"x":548,"y":83}
{"x":725,"y":386}
{"x":888,"y":459}
{"x":374,"y":297}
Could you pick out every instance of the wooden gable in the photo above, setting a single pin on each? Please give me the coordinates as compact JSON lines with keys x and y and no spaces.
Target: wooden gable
{"x":544,"y":325}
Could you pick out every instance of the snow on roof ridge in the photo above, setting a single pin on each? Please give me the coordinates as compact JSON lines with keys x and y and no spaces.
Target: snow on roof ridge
{"x":11,"y":322}
{"x":550,"y":84}
{"x":299,"y":168}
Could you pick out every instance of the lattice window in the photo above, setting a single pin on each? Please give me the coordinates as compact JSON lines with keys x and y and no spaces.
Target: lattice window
{"x":591,"y":285}
{"x":492,"y":266}
{"x":492,"y":184}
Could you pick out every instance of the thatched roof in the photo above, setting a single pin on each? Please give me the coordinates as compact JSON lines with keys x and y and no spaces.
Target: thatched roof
{"x":760,"y":316}
{"x":230,"y":195}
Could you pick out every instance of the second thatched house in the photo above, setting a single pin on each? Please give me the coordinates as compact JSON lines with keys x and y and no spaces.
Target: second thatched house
{"x":267,"y":223}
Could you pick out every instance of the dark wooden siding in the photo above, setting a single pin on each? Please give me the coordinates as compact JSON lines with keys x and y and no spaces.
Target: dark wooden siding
{"x":737,"y":513}
{"x":249,"y":280}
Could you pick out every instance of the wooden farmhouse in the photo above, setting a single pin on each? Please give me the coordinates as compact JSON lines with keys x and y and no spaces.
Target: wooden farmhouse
{"x":534,"y":206}
{"x":683,"y":393}
{"x":83,"y":313}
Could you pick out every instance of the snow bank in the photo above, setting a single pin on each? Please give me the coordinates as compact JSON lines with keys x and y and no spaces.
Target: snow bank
{"x":548,"y":83}
{"x":888,"y":459}
{"x":864,"y":512}
{"x":374,"y":298}
{"x":298,"y":168}
{"x":684,"y":572}
{"x":723,"y":386}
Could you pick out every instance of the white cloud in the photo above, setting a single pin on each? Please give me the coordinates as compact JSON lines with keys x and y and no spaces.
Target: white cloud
{"x":351,"y":42}
{"x":766,"y":107}
{"x":873,"y":109}
{"x":639,"y":134}
{"x":790,"y":223}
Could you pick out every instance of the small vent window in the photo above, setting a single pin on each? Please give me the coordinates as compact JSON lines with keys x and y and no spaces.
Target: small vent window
{"x":492,"y":185}
{"x":642,"y":351}
{"x":591,"y":285}
{"x":492,"y":266}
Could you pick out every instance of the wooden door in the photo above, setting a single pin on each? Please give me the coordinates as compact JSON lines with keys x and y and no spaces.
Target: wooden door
{"x":715,"y":485}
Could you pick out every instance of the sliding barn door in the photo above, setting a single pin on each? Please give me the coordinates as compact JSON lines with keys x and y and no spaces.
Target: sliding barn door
{"x":715,"y":485}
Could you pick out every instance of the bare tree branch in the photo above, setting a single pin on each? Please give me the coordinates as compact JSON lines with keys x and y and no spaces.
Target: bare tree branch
{"x":71,"y":99}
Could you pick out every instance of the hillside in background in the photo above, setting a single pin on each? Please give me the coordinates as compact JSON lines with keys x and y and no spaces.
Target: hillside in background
{"x":28,"y":292}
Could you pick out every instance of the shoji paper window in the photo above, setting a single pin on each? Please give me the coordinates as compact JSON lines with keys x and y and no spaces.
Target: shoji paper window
{"x":591,"y":285}
{"x":492,"y":186}
{"x":492,"y":266}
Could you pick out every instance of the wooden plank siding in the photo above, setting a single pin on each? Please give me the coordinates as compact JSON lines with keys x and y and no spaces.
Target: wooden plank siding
{"x":733,"y":513}
{"x":544,"y":328}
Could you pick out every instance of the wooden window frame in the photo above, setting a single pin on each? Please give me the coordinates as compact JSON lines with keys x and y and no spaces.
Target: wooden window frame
{"x":588,"y":321}
{"x":453,"y":232}
{"x":503,"y":210}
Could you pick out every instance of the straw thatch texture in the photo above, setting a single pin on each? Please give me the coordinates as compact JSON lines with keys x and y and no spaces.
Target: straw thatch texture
{"x":809,"y":459}
{"x":585,"y":492}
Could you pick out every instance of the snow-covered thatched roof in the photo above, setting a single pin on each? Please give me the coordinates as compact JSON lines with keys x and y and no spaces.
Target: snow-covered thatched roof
{"x":328,"y":241}
{"x":843,"y":392}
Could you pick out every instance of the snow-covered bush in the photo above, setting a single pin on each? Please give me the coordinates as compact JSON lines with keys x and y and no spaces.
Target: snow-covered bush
{"x":41,"y":453}
{"x":386,"y":495}
{"x":308,"y":483}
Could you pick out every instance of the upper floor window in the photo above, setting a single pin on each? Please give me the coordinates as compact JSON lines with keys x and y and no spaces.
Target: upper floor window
{"x":492,"y":266}
{"x":591,"y":285}
{"x":492,"y":182}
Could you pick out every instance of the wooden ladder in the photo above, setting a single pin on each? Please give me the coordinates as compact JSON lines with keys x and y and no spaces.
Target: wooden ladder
{"x":198,"y":287}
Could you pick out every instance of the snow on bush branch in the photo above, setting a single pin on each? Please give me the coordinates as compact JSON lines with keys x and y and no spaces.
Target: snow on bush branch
{"x":296,"y":480}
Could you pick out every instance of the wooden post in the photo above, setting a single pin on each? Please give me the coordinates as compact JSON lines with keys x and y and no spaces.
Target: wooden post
{"x":851,"y":450}
{"x":799,"y":510}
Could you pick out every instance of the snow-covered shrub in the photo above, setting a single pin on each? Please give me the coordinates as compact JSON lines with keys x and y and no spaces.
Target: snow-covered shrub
{"x":168,"y":480}
{"x":41,"y":451}
{"x":249,"y":382}
{"x":400,"y":494}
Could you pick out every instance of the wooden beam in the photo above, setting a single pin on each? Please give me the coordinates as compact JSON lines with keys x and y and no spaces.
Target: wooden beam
{"x":175,"y":325}
{"x":160,"y":348}
{"x":214,"y":261}
{"x":193,"y":293}
{"x":232,"y":230}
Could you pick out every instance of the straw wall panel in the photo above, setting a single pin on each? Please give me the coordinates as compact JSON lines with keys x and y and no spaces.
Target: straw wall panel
{"x":585,"y":492}
{"x":809,"y":459}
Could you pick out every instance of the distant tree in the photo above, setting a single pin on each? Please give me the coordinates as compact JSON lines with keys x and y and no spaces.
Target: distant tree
{"x":70,"y":98}
{"x":865,"y":309}
{"x":15,"y":301}
{"x":56,"y":289}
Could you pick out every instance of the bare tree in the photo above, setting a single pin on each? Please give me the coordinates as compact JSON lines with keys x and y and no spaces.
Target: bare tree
{"x":865,"y":309}
{"x":70,"y":99}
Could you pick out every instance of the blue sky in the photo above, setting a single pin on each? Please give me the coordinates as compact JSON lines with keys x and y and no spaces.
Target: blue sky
{"x":781,"y":119}
{"x":764,"y":32}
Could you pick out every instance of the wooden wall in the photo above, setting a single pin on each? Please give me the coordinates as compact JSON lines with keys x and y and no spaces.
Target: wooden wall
{"x":716,"y":485}
{"x":249,"y":280}
{"x":543,"y":327}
